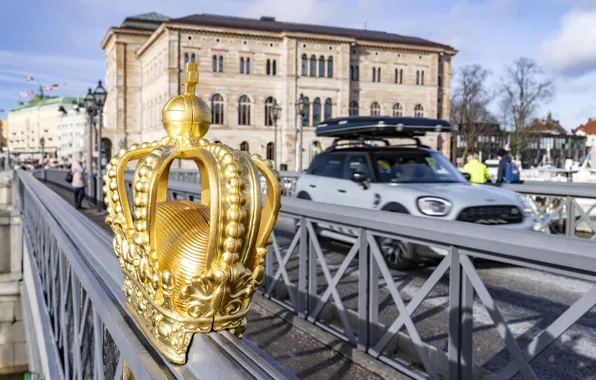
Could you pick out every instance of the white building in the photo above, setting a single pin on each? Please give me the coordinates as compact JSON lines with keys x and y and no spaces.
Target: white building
{"x":72,"y":132}
{"x":29,"y":123}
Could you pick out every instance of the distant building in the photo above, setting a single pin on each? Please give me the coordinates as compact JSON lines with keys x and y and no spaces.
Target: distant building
{"x":3,"y":133}
{"x":589,"y":131}
{"x":247,"y":65}
{"x":37,"y":119}
{"x":547,"y":140}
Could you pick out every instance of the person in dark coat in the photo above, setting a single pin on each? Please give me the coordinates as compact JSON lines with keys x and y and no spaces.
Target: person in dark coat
{"x":504,"y":160}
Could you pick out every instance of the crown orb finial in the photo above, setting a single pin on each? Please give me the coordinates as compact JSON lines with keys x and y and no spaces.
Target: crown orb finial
{"x":186,"y":115}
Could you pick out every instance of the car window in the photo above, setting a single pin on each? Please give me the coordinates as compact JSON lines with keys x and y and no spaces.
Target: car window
{"x":356,"y":163}
{"x":416,"y":166}
{"x":330,"y":165}
{"x":318,"y":164}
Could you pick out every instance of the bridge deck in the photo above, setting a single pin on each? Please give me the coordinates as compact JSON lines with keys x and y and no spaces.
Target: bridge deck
{"x":292,"y":347}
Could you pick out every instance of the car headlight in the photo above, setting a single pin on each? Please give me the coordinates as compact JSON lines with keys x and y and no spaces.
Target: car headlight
{"x":434,"y":206}
{"x":527,"y":207}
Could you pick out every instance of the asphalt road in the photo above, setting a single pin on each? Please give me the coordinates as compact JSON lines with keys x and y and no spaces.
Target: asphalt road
{"x":528,"y":299}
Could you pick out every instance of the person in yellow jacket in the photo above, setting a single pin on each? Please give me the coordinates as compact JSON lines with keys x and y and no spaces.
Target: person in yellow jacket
{"x":476,"y":169}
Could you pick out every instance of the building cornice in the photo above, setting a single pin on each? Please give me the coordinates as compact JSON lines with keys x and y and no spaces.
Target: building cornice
{"x":114,"y":31}
{"x":154,"y":36}
{"x":215,"y":31}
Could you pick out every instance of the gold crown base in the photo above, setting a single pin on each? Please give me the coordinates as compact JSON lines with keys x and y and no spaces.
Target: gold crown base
{"x":171,"y":335}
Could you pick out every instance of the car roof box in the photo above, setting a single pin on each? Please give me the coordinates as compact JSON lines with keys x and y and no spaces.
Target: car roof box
{"x":363,"y":127}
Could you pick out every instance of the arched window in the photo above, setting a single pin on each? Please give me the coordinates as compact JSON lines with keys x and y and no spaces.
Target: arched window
{"x":418,"y":111}
{"x":193,"y":58}
{"x":186,"y":59}
{"x":248,"y":65}
{"x":269,"y":102}
{"x":422,"y":78}
{"x":221,"y":63}
{"x":241,"y":65}
{"x":304,"y":63}
{"x":244,"y":146}
{"x":330,"y":67}
{"x":401,"y":76}
{"x":353,"y":108}
{"x":378,"y":74}
{"x":244,"y":110}
{"x":321,"y":66}
{"x":313,"y":66}
{"x":217,"y":109}
{"x":417,"y":77}
{"x":270,"y":151}
{"x":306,"y":116}
{"x":396,"y":76}
{"x":374,"y":74}
{"x":268,"y":67}
{"x":316,"y":111}
{"x":375,"y":109}
{"x":356,"y":72}
{"x":352,"y":72}
{"x":398,"y":110}
{"x":214,"y":63}
{"x":327,"y":111}
{"x":274,"y":67}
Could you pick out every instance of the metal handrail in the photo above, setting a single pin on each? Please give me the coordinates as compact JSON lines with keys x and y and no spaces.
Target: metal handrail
{"x":61,"y":240}
{"x":360,"y":325}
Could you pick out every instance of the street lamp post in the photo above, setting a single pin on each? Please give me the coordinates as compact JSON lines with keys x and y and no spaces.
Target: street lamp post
{"x":275,"y":113}
{"x":42,"y":144}
{"x":301,"y":110}
{"x":96,"y":101}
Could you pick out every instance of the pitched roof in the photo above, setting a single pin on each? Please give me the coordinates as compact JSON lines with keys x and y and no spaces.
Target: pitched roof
{"x":271,"y":25}
{"x":147,"y":21}
{"x":46,"y":101}
{"x":548,"y":126}
{"x":589,"y":128}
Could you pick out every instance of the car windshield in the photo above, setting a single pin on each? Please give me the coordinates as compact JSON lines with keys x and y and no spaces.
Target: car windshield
{"x":416,"y":166}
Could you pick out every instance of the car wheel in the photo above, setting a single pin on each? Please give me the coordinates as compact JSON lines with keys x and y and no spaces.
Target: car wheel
{"x":395,"y":254}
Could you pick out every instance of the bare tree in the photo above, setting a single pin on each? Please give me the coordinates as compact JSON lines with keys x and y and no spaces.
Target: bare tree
{"x":524,"y":89}
{"x":469,"y":104}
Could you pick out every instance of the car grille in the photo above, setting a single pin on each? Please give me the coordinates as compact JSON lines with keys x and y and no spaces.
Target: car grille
{"x":491,"y":215}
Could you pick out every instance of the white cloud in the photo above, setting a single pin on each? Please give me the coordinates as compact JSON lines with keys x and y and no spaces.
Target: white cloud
{"x":573,"y":50}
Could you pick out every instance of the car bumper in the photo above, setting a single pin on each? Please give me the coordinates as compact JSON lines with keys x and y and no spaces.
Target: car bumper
{"x":436,"y":253}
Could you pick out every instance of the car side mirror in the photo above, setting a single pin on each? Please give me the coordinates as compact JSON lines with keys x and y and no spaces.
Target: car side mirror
{"x":467,"y":176}
{"x":360,"y":178}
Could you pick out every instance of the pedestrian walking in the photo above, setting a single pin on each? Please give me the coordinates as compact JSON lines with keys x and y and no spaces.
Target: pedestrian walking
{"x":78,"y":182}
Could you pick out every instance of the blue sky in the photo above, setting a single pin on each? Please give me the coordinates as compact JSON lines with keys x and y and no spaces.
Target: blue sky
{"x":59,"y":41}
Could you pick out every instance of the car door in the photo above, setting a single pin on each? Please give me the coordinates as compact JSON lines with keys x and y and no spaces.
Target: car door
{"x":350,"y":193}
{"x":325,"y":177}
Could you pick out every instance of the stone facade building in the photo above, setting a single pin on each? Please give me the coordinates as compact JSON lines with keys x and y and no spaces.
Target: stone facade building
{"x":73,"y":133}
{"x":246,"y":65}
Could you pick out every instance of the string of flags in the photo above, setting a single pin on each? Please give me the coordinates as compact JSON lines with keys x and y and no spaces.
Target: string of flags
{"x":47,"y":88}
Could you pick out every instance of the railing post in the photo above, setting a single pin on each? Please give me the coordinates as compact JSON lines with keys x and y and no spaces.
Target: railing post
{"x":312,"y":276}
{"x":302,"y":270}
{"x":363,"y":291}
{"x":570,"y":225}
{"x":461,"y":299}
{"x":373,"y":297}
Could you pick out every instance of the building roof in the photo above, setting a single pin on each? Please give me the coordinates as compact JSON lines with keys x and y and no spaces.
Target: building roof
{"x":54,"y":101}
{"x":147,"y":21}
{"x":588,"y":129}
{"x":271,"y":25}
{"x":548,"y":125}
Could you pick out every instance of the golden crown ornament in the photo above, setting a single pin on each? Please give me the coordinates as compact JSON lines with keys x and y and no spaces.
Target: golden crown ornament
{"x":190,"y":267}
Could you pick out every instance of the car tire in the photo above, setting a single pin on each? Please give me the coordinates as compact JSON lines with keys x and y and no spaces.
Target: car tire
{"x":395,"y":253}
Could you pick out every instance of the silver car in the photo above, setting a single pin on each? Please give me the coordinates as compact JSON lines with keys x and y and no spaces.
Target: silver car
{"x":413,"y":180}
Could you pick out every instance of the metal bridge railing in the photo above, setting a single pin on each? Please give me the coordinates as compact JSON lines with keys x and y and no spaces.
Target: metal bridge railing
{"x":360,"y":300}
{"x":73,"y":289}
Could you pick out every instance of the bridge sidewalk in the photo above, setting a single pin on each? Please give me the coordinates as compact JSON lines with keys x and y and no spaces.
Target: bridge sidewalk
{"x":302,"y":348}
